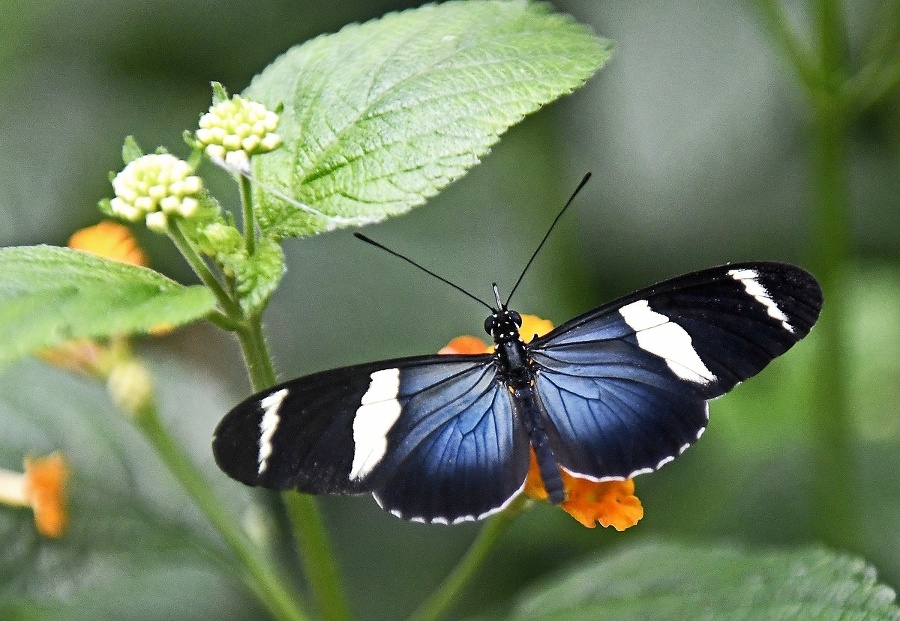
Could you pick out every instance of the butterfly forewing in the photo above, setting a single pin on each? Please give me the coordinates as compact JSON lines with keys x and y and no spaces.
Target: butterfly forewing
{"x":433,"y":437}
{"x":298,"y":434}
{"x":624,"y":387}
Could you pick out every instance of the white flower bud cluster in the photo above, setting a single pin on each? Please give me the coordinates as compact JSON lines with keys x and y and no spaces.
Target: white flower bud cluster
{"x":235,"y":129}
{"x":155,"y":187}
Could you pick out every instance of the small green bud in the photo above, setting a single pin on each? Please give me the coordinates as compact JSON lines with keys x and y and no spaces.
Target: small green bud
{"x":130,"y":386}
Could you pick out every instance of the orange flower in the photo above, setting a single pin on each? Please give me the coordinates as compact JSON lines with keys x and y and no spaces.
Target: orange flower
{"x":77,"y":356}
{"x":465,"y":345}
{"x":110,"y":240}
{"x":531,"y":325}
{"x":609,"y":503}
{"x":42,"y":487}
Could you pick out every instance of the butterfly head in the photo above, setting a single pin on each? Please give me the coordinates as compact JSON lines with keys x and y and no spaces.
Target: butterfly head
{"x":503,"y":325}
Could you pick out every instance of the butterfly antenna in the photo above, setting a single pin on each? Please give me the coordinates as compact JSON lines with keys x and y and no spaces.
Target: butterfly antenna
{"x":584,"y":180}
{"x":369,"y":240}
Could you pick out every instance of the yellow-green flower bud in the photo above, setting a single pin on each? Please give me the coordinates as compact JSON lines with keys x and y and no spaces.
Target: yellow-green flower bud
{"x":157,"y":221}
{"x":130,"y":386}
{"x":237,"y":128}
{"x":153,"y":187}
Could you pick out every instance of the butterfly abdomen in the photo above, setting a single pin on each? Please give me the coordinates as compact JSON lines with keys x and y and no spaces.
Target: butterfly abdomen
{"x":519,"y":375}
{"x":528,"y":409}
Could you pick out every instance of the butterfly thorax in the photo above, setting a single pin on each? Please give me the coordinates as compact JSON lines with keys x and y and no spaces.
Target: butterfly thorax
{"x":503,"y":326}
{"x":516,"y":372}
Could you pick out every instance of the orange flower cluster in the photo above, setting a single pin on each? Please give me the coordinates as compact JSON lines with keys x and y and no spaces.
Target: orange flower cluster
{"x":42,"y":487}
{"x":110,"y":240}
{"x":609,"y":503}
{"x":46,"y":488}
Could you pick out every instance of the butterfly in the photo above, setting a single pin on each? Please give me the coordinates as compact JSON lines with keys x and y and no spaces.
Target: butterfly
{"x":614,"y":393}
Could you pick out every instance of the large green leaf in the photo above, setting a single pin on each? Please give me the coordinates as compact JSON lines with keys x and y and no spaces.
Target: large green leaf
{"x":49,"y":295}
{"x":380,"y":116}
{"x":673,"y":581}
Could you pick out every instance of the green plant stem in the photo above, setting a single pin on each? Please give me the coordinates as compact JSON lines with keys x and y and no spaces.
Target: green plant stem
{"x":315,"y":552}
{"x":833,"y":470}
{"x":800,"y":59}
{"x":247,"y":209}
{"x":256,"y":354}
{"x":873,"y":83}
{"x":307,"y":522}
{"x":440,"y":601}
{"x":229,"y":306}
{"x":267,"y":586}
{"x":823,"y":76}
{"x":223,"y":321}
{"x":880,"y":74}
{"x":316,"y":555}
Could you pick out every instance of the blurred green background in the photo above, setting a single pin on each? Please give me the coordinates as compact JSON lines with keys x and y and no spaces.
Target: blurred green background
{"x":699,"y":141}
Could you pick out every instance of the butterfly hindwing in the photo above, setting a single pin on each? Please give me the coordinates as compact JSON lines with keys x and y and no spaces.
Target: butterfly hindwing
{"x":433,"y":437}
{"x":458,"y":453}
{"x":624,"y":387}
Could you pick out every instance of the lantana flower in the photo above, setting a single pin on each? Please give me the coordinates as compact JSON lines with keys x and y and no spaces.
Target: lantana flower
{"x":609,"y":503}
{"x":237,"y":128}
{"x":41,"y":487}
{"x":128,"y":382}
{"x":110,"y":240}
{"x":156,"y":187}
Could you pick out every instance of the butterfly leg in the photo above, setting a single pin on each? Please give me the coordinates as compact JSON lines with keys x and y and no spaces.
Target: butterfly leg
{"x":529,"y":410}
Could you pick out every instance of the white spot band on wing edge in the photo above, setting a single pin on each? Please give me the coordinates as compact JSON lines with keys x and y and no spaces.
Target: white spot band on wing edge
{"x":648,"y":469}
{"x":657,"y":334}
{"x":750,"y":280}
{"x":378,"y":411}
{"x":267,"y":426}
{"x":443,"y":520}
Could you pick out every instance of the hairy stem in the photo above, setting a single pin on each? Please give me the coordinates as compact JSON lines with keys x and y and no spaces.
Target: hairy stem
{"x":316,"y":555}
{"x":231,"y":308}
{"x":259,"y":576}
{"x":247,"y":209}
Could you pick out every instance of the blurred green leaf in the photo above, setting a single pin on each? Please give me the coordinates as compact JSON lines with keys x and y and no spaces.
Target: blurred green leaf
{"x":49,"y":295}
{"x":679,"y":581}
{"x":136,"y":547}
{"x":381,"y":116}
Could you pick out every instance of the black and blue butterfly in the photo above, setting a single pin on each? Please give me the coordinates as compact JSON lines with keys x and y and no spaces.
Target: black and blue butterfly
{"x":617,"y":392}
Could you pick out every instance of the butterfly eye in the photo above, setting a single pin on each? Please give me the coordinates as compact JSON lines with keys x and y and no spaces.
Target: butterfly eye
{"x":516,"y":318}
{"x":489,"y":324}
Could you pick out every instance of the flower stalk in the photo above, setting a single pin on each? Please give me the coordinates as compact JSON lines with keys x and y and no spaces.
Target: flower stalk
{"x":440,"y":601}
{"x":317,"y":556}
{"x":162,"y":190}
{"x":835,"y":97}
{"x":232,"y":131}
{"x":259,"y":576}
